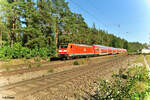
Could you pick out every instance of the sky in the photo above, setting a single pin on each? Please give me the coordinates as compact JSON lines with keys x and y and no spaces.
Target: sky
{"x":128,"y":19}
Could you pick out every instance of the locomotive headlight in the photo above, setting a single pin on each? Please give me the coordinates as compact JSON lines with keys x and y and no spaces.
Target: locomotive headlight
{"x":60,"y":50}
{"x":65,"y":50}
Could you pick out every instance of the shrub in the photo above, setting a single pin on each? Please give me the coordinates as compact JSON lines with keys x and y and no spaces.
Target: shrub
{"x":43,"y":52}
{"x":6,"y":51}
{"x":26,"y":52}
{"x":133,"y":87}
{"x":18,"y":51}
{"x":76,"y":63}
{"x":35,"y":52}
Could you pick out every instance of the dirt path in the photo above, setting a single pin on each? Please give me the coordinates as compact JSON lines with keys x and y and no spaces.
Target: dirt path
{"x":62,"y":85}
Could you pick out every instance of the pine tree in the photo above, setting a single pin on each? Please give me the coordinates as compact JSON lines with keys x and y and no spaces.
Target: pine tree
{"x":125,"y":46}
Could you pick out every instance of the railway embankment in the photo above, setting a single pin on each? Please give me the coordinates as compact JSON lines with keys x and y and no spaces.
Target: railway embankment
{"x":132,"y":83}
{"x":8,"y":77}
{"x":65,"y":84}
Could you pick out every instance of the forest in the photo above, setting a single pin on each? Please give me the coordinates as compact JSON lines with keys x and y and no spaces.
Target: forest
{"x":30,"y":28}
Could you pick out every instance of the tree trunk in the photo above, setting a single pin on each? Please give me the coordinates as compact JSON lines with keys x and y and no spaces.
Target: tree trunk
{"x":0,"y":34}
{"x":13,"y":35}
{"x":0,"y":38}
{"x":56,"y":36}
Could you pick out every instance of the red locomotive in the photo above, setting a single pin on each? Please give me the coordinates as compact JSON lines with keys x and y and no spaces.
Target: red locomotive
{"x":68,"y":50}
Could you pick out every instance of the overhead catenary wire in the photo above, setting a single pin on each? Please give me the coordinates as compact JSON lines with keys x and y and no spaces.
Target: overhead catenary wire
{"x":95,"y":8}
{"x":89,"y":13}
{"x":104,"y":25}
{"x":107,"y":25}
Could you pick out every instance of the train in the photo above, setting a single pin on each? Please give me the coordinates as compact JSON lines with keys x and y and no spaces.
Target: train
{"x":72,"y":50}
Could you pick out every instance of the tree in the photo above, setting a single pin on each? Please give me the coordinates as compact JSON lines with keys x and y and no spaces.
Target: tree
{"x":2,"y":31}
{"x":113,"y":43}
{"x":125,"y":46}
{"x":48,"y":23}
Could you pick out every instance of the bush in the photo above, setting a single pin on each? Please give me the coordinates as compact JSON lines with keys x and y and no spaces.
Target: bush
{"x":43,"y":52}
{"x":76,"y":63}
{"x":35,"y":52}
{"x":6,"y":52}
{"x":26,"y":52}
{"x":132,"y":87}
{"x":18,"y":51}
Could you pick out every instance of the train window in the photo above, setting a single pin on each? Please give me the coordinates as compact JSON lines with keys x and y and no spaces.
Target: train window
{"x":63,"y":46}
{"x":71,"y":46}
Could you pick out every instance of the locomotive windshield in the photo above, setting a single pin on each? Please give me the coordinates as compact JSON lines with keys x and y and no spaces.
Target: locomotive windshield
{"x":63,"y":46}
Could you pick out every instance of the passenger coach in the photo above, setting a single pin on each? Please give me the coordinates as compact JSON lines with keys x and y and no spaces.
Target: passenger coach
{"x":68,"y":50}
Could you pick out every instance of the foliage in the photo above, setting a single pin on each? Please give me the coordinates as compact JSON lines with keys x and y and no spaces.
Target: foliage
{"x":134,"y":46}
{"x":76,"y":63}
{"x":18,"y":51}
{"x":38,"y":65}
{"x":130,"y":85}
{"x":37,"y":59}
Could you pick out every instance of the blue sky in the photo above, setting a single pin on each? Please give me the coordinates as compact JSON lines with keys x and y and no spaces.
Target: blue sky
{"x":128,"y":19}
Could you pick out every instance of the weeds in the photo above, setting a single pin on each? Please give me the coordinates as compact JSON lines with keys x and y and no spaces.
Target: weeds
{"x":76,"y":63}
{"x":130,"y":84}
{"x":7,"y":68}
{"x":80,"y":62}
{"x":38,"y":65}
{"x":50,"y":71}
{"x":30,"y":65}
{"x":37,"y":59}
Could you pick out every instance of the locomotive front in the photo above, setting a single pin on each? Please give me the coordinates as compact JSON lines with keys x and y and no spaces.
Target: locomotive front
{"x":63,"y":49}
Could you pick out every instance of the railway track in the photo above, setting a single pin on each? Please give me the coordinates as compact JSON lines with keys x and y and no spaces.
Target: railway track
{"x":23,"y":89}
{"x":44,"y":66}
